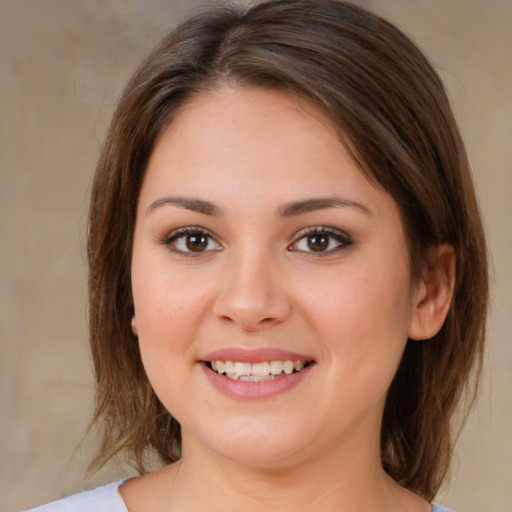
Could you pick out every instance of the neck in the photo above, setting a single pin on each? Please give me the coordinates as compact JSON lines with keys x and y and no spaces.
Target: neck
{"x":213,"y":482}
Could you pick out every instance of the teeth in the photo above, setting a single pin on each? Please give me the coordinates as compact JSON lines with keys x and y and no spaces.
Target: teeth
{"x":260,"y":369}
{"x":298,"y":365}
{"x":242,"y":369}
{"x":288,"y":367}
{"x":229,"y":367}
{"x":276,"y":367}
{"x":257,"y":371}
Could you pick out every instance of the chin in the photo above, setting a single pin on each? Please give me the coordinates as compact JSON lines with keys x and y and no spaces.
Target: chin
{"x":262,"y":445}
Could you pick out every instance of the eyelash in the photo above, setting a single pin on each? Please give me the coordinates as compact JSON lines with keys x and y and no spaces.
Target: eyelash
{"x":173,"y":238}
{"x":341,"y":239}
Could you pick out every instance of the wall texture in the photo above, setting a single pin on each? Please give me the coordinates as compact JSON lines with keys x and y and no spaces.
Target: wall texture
{"x":62,"y":65}
{"x":469,"y":41}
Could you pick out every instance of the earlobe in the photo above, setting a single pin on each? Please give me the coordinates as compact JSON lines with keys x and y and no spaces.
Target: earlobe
{"x":433,"y":296}
{"x":134,"y":326}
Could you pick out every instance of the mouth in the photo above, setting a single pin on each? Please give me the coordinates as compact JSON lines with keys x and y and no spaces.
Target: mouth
{"x":257,"y":372}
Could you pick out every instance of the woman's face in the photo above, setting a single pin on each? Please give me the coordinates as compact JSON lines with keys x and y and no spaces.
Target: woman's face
{"x":260,"y":249}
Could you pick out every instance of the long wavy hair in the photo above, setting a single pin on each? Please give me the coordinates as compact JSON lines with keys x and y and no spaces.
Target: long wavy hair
{"x":394,"y":117}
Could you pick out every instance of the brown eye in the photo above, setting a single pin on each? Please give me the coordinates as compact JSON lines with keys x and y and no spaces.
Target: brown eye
{"x":191,"y":241}
{"x":318,"y":242}
{"x":321,"y":240}
{"x":197,"y":242}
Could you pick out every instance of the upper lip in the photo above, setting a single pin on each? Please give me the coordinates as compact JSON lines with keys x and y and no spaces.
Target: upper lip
{"x":255,"y":355}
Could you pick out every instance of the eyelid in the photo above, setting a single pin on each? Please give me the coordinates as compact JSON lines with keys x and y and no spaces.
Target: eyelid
{"x":343,"y":238}
{"x":177,"y":233}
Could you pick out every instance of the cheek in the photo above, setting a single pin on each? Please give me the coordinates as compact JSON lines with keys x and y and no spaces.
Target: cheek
{"x":362,"y":316}
{"x":361,"y":303}
{"x":167,"y":310}
{"x":169,"y":306}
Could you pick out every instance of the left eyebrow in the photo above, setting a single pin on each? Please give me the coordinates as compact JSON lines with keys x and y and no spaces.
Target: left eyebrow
{"x":320,"y":203}
{"x":189,"y":203}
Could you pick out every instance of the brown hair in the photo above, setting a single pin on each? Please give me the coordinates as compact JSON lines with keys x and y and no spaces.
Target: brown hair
{"x":393,"y":114}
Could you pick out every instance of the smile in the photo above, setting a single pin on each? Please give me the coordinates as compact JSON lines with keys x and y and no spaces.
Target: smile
{"x":256,"y":372}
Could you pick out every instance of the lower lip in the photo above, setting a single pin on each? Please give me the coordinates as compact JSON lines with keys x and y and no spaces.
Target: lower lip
{"x":245,"y":390}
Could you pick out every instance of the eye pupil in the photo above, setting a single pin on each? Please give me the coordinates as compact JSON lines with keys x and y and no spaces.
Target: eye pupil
{"x":197,"y":242}
{"x":318,"y":242}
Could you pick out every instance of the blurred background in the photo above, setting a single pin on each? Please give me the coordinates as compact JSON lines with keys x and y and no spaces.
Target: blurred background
{"x":62,"y":66}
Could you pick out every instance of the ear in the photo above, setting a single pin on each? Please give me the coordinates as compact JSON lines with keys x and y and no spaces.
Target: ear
{"x":135,"y":331}
{"x":433,"y":295}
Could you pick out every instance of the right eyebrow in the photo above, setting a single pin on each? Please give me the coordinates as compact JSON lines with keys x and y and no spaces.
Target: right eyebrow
{"x":189,"y":203}
{"x":321,"y":203}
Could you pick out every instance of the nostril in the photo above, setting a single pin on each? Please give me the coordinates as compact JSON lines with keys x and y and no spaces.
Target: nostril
{"x":252,"y":307}
{"x":249,"y":322}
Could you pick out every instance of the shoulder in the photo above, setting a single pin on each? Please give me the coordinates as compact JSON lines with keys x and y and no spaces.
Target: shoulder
{"x":438,"y":508}
{"x":102,"y":499}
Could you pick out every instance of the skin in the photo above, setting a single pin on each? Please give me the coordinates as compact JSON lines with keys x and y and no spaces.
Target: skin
{"x":257,"y":283}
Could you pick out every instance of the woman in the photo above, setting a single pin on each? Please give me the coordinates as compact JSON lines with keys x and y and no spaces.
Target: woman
{"x":288,"y":280}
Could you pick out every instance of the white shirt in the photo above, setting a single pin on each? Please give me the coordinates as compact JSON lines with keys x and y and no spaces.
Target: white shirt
{"x":108,"y":499}
{"x":102,"y":499}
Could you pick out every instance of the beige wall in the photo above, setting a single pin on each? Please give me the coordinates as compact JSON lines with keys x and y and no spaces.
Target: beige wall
{"x":470,"y":42}
{"x":62,"y":66}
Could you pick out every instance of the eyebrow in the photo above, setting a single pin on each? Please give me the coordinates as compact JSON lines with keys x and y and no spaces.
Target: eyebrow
{"x":321,"y":203}
{"x":287,"y":210}
{"x":193,"y":204}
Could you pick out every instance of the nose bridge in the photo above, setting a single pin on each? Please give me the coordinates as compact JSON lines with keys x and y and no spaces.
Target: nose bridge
{"x":253,"y":294}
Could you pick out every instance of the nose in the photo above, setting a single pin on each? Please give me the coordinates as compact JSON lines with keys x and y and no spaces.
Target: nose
{"x":253,"y":294}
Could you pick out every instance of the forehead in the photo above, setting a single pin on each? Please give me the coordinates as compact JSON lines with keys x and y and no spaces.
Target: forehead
{"x":239,"y":111}
{"x":250,"y":133}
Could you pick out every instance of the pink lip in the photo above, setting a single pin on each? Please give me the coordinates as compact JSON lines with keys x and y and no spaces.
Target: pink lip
{"x":257,"y":355}
{"x":243,"y":390}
